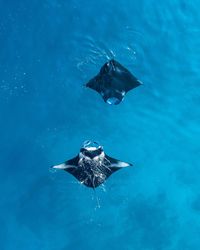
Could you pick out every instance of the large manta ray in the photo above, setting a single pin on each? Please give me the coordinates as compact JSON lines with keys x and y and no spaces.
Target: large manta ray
{"x":92,"y":166}
{"x":113,"y":82}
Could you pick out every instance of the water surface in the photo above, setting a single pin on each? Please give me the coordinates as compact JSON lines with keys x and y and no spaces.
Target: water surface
{"x":49,"y":50}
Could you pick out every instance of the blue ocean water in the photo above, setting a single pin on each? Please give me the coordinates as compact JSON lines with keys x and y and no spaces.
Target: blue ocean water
{"x":49,"y":49}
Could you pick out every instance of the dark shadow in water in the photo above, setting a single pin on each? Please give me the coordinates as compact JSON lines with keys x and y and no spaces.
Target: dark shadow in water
{"x":149,"y":224}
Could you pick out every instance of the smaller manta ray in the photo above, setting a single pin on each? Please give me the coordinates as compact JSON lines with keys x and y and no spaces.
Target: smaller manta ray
{"x":92,"y":166}
{"x":113,"y":82}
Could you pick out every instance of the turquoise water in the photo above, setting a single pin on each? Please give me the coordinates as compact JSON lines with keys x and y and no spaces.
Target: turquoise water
{"x":49,"y":50}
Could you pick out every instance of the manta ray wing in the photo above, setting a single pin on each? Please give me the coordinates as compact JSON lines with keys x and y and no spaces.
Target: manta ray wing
{"x":94,"y":84}
{"x":71,"y":166}
{"x":117,"y":164}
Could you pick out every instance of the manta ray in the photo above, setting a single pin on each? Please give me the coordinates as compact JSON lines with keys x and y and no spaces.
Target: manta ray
{"x":92,"y":166}
{"x":113,"y":82}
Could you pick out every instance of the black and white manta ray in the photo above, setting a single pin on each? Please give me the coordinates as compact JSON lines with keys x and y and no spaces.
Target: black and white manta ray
{"x":113,"y":82}
{"x":92,"y":166}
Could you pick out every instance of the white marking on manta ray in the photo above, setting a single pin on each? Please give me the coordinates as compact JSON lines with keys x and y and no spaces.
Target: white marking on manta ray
{"x":96,"y":158}
{"x":97,"y":167}
{"x":62,"y":166}
{"x":120,"y":164}
{"x":91,"y":148}
{"x":99,"y":157}
{"x":83,"y":157}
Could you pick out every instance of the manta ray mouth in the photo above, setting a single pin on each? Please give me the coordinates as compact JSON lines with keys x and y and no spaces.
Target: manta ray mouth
{"x":91,"y":150}
{"x":91,"y":145}
{"x":113,"y":97}
{"x":113,"y":101}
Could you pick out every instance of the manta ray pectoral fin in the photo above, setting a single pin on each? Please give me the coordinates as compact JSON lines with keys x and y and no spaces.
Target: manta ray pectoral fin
{"x":94,"y":84}
{"x":62,"y":166}
{"x":116,"y":164}
{"x":70,"y":164}
{"x":120,"y":164}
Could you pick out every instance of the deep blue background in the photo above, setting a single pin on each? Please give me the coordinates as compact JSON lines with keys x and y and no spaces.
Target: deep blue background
{"x":49,"y":49}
